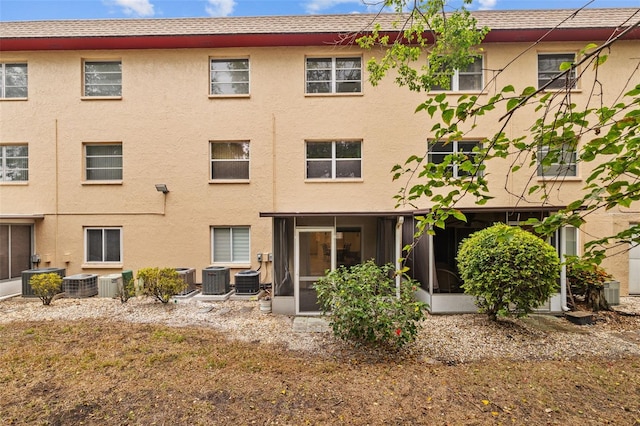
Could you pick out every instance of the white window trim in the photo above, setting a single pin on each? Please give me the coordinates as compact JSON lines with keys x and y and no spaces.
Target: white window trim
{"x":3,"y":86}
{"x":86,"y":244}
{"x":86,"y":180}
{"x":334,"y":162}
{"x":455,"y":80}
{"x":3,"y":158}
{"x":454,"y":150}
{"x":333,"y":81}
{"x":230,"y":95}
{"x":212,"y":161}
{"x":242,"y":263}
{"x":86,"y":97}
{"x":563,"y":176}
{"x":575,"y":71}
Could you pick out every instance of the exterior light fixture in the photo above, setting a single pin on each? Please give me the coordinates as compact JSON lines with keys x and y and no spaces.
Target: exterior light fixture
{"x":161,"y":187}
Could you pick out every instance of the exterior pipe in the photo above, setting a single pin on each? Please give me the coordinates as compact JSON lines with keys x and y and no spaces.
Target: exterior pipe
{"x":563,"y":271}
{"x":399,"y":253}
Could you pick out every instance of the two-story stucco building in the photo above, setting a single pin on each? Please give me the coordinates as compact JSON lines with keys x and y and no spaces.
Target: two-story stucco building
{"x":257,"y":143}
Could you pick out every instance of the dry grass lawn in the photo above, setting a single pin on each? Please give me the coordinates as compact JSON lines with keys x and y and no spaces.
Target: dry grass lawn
{"x":85,"y":372}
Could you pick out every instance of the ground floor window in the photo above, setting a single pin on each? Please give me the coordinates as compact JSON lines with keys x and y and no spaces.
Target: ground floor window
{"x":103,"y":244}
{"x":230,"y":244}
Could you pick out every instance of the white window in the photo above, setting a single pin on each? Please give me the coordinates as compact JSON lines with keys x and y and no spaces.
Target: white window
{"x":103,"y":78}
{"x":440,"y":150}
{"x":230,"y":244}
{"x":103,"y":161}
{"x":14,"y":163}
{"x":103,"y":245}
{"x":334,"y":75}
{"x":229,"y":160}
{"x":558,"y":162}
{"x":334,"y":160}
{"x":229,"y":76}
{"x":13,"y":80}
{"x":549,"y":67}
{"x":469,"y":79}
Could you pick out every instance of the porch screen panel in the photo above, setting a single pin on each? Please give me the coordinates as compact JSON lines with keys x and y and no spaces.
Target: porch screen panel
{"x":283,"y":284}
{"x":4,"y":252}
{"x":385,"y":248}
{"x":418,"y":260}
{"x":20,"y":249}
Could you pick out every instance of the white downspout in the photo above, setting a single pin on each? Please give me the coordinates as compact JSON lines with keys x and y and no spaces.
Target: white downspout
{"x":399,"y":253}
{"x":563,"y":271}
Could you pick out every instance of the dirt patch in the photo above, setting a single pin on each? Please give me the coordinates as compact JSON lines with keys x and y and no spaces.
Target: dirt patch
{"x":96,"y":373}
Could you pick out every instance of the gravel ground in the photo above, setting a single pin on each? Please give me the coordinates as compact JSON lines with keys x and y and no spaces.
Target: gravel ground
{"x":444,"y":338}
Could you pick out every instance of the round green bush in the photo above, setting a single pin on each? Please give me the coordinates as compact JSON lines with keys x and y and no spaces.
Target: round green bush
{"x":508,"y":270}
{"x":364,"y":308}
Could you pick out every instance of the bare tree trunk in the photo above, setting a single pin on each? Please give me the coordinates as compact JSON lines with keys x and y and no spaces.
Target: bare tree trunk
{"x":595,"y":300}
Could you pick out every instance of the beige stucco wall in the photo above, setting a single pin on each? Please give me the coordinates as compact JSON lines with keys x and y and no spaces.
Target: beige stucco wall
{"x":166,"y":119}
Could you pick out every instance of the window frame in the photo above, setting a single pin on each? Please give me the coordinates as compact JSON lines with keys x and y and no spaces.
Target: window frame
{"x":86,"y":178}
{"x":232,"y":260}
{"x":229,"y":60}
{"x":333,"y":81}
{"x":455,"y":79}
{"x":454,"y":150}
{"x":550,"y":75}
{"x":4,"y":171}
{"x":104,"y":244}
{"x":333,"y":159}
{"x":213,"y":161}
{"x":540,"y":172}
{"x":85,"y":84}
{"x":3,"y":80}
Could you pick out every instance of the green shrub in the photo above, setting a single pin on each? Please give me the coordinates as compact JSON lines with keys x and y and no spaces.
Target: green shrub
{"x":127,"y":290}
{"x":363,"y":307}
{"x":586,"y":279}
{"x":508,"y":270}
{"x":161,"y":283}
{"x":46,"y":286}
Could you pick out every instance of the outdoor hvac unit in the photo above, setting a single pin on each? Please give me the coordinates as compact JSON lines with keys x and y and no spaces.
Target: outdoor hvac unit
{"x":247,"y":282}
{"x":215,"y":280}
{"x":189,"y":276}
{"x":27,"y":291}
{"x":109,"y":285}
{"x":612,"y":292}
{"x":80,"y":285}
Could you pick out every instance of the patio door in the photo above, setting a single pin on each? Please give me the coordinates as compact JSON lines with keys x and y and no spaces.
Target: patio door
{"x":315,"y":253}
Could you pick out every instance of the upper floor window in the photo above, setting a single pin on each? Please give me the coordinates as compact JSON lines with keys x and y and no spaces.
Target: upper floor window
{"x":334,"y":160}
{"x":103,"y":78}
{"x":334,"y":75}
{"x":557,"y":162}
{"x":229,"y":76}
{"x":230,"y":244}
{"x":103,"y":245}
{"x":439,"y":150}
{"x":14,"y":163}
{"x":549,"y":67}
{"x":13,"y":80}
{"x":229,"y":160}
{"x":103,"y":161}
{"x":469,"y":79}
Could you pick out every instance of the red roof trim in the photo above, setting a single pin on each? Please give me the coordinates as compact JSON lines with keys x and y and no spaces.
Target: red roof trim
{"x":265,"y":40}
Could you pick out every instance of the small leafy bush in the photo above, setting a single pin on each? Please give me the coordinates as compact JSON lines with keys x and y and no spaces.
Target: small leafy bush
{"x":508,"y":270}
{"x":587,"y":279}
{"x":363,"y":307}
{"x":161,"y":283}
{"x":127,"y":290}
{"x":46,"y":286}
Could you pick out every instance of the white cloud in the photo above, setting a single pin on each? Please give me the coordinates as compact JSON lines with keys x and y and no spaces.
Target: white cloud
{"x":487,"y":4}
{"x":220,"y":7}
{"x":317,"y":6}
{"x":140,"y":8}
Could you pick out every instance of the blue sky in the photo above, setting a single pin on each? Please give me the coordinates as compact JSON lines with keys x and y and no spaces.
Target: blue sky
{"x":20,"y":10}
